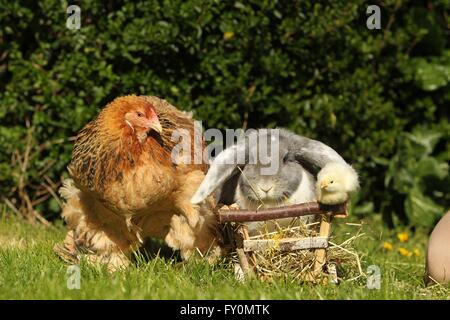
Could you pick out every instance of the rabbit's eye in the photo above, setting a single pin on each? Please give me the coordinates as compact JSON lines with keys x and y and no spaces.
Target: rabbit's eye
{"x":287,"y":158}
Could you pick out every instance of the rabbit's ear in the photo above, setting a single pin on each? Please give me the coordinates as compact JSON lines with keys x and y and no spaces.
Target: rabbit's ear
{"x":312,"y":154}
{"x":227,"y":193}
{"x":222,"y":168}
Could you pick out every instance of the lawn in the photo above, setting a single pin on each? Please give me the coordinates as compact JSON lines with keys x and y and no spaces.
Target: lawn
{"x":30,"y":270}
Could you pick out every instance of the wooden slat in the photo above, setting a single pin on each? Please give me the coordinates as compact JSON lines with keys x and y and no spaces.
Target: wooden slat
{"x":321,"y":254}
{"x":241,"y":237}
{"x":250,"y":255}
{"x":287,"y":244}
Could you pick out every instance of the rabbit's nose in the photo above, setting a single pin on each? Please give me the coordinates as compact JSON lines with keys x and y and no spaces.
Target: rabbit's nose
{"x":266,"y":189}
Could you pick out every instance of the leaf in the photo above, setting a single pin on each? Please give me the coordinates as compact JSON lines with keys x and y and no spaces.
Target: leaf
{"x":426,"y":140}
{"x":403,"y":180}
{"x":228,"y":35}
{"x":421,"y":210}
{"x":431,"y":167}
{"x":366,"y":208}
{"x":381,"y":161}
{"x":431,"y":76}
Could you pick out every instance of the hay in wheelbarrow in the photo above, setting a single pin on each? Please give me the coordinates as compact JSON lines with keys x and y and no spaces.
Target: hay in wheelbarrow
{"x":298,"y":252}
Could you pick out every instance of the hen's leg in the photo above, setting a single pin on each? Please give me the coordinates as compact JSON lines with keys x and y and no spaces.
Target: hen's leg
{"x":204,"y":237}
{"x":188,"y":183}
{"x":97,"y":232}
{"x":207,"y":237}
{"x":180,"y":236}
{"x":194,"y":227}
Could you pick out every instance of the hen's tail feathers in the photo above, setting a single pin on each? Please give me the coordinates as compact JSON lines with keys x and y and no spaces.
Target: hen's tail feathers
{"x":188,"y":114}
{"x":68,"y":189}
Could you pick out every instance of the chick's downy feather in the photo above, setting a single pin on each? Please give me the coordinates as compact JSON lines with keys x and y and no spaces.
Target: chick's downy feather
{"x":336,"y":182}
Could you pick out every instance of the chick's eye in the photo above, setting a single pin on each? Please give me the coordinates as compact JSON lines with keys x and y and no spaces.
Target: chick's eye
{"x":331,"y":181}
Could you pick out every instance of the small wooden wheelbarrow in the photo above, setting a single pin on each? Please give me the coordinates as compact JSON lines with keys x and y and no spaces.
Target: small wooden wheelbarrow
{"x":245,"y":247}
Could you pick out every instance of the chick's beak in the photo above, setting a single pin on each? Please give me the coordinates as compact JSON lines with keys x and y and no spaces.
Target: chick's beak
{"x":323,"y":185}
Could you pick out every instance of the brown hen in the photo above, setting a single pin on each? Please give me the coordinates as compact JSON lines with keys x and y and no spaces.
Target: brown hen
{"x":130,"y":184}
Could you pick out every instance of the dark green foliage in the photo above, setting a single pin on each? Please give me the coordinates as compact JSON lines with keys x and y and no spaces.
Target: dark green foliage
{"x":419,"y":175}
{"x":311,"y":66}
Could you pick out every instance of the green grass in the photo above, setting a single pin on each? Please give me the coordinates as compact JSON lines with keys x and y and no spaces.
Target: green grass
{"x":30,"y":270}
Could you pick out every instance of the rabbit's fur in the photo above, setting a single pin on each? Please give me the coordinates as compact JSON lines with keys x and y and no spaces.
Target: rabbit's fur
{"x":295,"y":162}
{"x":290,"y":184}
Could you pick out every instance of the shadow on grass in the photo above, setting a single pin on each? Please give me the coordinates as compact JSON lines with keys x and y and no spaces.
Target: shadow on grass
{"x":154,"y":248}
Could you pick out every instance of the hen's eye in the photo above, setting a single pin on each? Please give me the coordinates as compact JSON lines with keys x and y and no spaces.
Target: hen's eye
{"x":139,"y":114}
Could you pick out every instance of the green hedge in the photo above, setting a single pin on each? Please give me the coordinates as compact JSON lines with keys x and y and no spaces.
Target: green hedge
{"x":311,"y":66}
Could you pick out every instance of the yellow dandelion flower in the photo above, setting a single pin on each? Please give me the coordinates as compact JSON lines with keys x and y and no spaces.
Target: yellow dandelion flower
{"x":403,"y":236}
{"x":405,"y":252}
{"x":416,"y":252}
{"x":387,"y":246}
{"x":228,"y":35}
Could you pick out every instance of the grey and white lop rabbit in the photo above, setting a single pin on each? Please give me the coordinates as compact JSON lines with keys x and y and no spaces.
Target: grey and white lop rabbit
{"x":277,"y":168}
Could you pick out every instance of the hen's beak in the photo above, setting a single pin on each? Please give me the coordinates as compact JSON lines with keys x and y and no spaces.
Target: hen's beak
{"x":156,"y":125}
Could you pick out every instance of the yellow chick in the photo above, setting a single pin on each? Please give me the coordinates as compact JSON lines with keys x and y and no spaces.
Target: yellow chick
{"x":335,"y":182}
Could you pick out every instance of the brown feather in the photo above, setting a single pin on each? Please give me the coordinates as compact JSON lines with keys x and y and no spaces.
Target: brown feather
{"x":127,"y":188}
{"x":105,"y":149}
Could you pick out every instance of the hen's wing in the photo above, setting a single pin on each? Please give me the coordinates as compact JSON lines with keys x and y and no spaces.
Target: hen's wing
{"x":176,"y":124}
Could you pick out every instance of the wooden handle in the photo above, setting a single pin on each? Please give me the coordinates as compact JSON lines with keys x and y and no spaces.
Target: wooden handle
{"x":296,"y":210}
